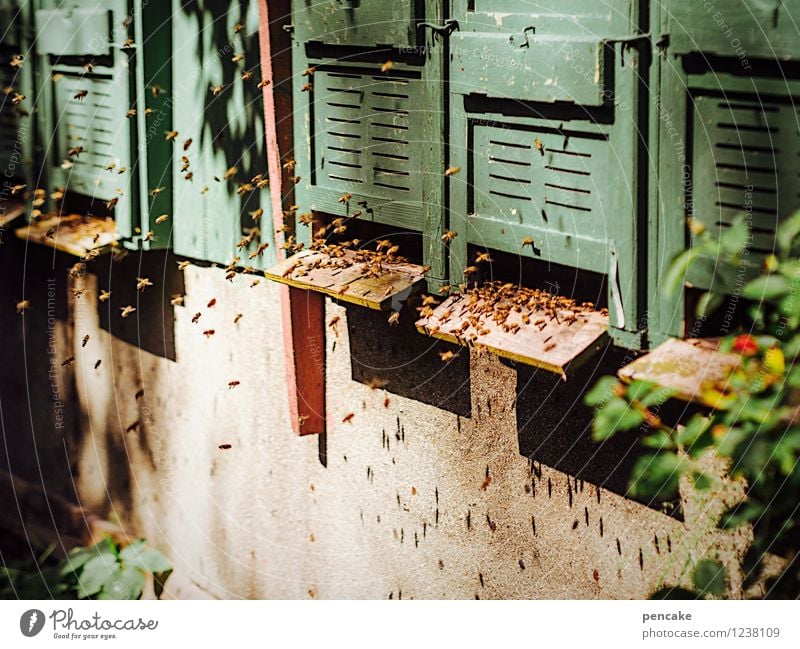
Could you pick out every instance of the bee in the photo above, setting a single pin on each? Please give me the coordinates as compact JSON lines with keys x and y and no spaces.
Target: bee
{"x":527,"y":241}
{"x":230,"y":173}
{"x":68,"y":361}
{"x":238,"y":317}
{"x":16,"y":189}
{"x":452,"y":171}
{"x":344,"y":198}
{"x":17,"y":98}
{"x":204,"y":189}
{"x":22,"y":306}
{"x":255,"y":282}
{"x":257,"y":214}
{"x":449,"y":236}
{"x":111,"y":167}
{"x":483,"y":257}
{"x":237,"y":57}
{"x":104,"y":296}
{"x":309,"y":72}
{"x":445,"y":290}
{"x":182,"y":265}
{"x":155,"y":192}
{"x":127,"y":310}
{"x":539,"y":145}
{"x":128,"y":43}
{"x":470,"y":270}
{"x":149,"y":236}
{"x":394,"y":319}
{"x":139,"y":394}
{"x":147,"y":111}
{"x":486,"y":482}
{"x":77,"y":292}
{"x":50,"y":234}
{"x":332,"y":324}
{"x":133,"y":427}
{"x":237,"y":28}
{"x":232,"y":384}
{"x":131,"y":113}
{"x":81,"y":94}
{"x":247,"y":75}
{"x":377,"y":383}
{"x":97,"y":364}
{"x":17,"y":60}
{"x":208,"y":333}
{"x":386,"y":402}
{"x":122,"y":170}
{"x":348,"y":418}
{"x":177,"y":300}
{"x":142,"y":283}
{"x":231,"y":274}
{"x":387,"y":66}
{"x":307,"y":87}
{"x":75,"y":151}
{"x":161,"y":219}
{"x":155,"y":90}
{"x":259,"y":251}
{"x":217,"y":89}
{"x":263,"y":84}
{"x":429,"y":300}
{"x":171,"y":135}
{"x":85,"y":340}
{"x":447,"y":356}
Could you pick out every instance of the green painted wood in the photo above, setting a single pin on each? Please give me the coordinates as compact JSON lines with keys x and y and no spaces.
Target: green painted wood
{"x":223,"y":115}
{"x":739,"y":29}
{"x":545,"y":129}
{"x":363,"y":128}
{"x":16,"y":121}
{"x":357,"y":22}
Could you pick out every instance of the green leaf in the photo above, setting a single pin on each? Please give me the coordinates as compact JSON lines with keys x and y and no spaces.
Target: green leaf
{"x":659,"y":440}
{"x":710,"y":578}
{"x":709,"y":303}
{"x":659,"y":397}
{"x":78,"y":557}
{"x":602,"y":391}
{"x":734,"y":239}
{"x":675,"y":277}
{"x":137,"y":555}
{"x":95,"y":573}
{"x":787,"y":233}
{"x":656,"y":476}
{"x":767,"y":287}
{"x":702,"y":481}
{"x":125,"y":583}
{"x":693,"y":431}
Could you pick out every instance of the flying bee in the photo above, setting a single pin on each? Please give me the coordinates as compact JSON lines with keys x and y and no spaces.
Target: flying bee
{"x":170,"y":135}
{"x":344,"y":198}
{"x":257,"y":214}
{"x":176,"y":300}
{"x":348,"y":418}
{"x":88,"y":67}
{"x":111,"y":167}
{"x":238,"y":317}
{"x":16,"y":189}
{"x":131,"y":113}
{"x":68,"y":361}
{"x":230,"y":172}
{"x":97,"y":364}
{"x":155,"y":90}
{"x":307,"y":87}
{"x":17,"y":98}
{"x":209,"y":332}
{"x":217,"y":89}
{"x":449,"y":236}
{"x":196,"y":317}
{"x":236,"y":58}
{"x":247,"y":75}
{"x":149,"y":236}
{"x":81,"y":94}
{"x":377,"y":383}
{"x":394,"y":319}
{"x":133,"y":427}
{"x":483,"y":257}
{"x":110,"y":205}
{"x":142,"y":283}
{"x":452,"y":171}
{"x":259,"y":251}
{"x":75,"y":151}
{"x":148,"y":111}
{"x":309,"y":72}
{"x":22,"y":306}
{"x":127,"y":310}
{"x":77,"y":292}
{"x":429,"y":300}
{"x":233,"y":384}
{"x":470,"y":270}
{"x":332,"y":324}
{"x":161,"y":219}
{"x":255,"y":282}
{"x":263,"y":84}
{"x":231,"y":274}
{"x":182,"y":265}
{"x":104,"y":296}
{"x":155,"y":192}
{"x":447,"y":356}
{"x":539,"y":145}
{"x":387,"y":66}
{"x":237,"y":28}
{"x":186,"y":144}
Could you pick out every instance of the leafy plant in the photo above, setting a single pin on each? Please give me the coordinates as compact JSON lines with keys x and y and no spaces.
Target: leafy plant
{"x":752,"y":425}
{"x":104,"y":571}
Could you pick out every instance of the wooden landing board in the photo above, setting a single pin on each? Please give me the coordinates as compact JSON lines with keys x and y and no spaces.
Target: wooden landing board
{"x":74,"y":234}
{"x":350,"y":284}
{"x":550,"y":346}
{"x":686,"y":366}
{"x":13,"y":210}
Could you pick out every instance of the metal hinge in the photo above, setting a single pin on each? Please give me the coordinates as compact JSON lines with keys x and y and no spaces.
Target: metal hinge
{"x":445,"y":29}
{"x":635,"y":38}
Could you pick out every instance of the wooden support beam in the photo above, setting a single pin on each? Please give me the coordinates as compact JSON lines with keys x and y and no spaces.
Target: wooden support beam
{"x":74,"y":234}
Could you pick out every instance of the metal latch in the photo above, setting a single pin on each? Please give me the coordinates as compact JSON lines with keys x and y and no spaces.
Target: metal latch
{"x":445,"y":29}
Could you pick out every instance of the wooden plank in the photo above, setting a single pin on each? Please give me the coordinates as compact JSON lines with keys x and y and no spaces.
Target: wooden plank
{"x":347,"y":278}
{"x":548,"y":341}
{"x":13,"y":210}
{"x":74,"y":234}
{"x":687,"y":366}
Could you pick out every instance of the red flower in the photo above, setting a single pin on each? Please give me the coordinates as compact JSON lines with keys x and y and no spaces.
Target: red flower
{"x":745,"y":345}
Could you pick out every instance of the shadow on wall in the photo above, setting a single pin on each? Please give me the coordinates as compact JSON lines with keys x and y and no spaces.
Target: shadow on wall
{"x":152,"y":327}
{"x":407,"y":360}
